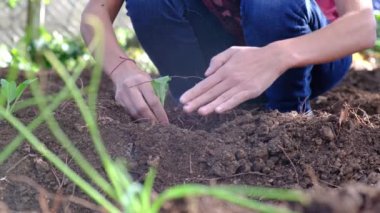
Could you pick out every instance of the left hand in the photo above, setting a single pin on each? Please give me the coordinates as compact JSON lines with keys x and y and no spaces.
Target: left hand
{"x":234,"y":76}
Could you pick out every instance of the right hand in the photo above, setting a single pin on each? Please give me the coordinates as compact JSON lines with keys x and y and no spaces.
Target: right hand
{"x":135,"y":93}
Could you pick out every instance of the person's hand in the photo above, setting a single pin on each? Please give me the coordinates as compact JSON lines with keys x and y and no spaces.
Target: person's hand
{"x":135,"y":93}
{"x":234,"y":76}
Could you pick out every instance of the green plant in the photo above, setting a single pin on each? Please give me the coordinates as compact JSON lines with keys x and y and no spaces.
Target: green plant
{"x":161,"y":87}
{"x":13,"y":3}
{"x":12,"y":92}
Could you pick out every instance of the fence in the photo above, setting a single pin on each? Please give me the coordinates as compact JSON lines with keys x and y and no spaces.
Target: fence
{"x":62,"y":16}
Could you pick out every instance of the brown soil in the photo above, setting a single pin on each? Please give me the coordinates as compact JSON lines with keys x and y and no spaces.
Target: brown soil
{"x":339,"y":145}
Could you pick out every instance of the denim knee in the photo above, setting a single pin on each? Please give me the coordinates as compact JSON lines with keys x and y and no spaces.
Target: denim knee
{"x":154,"y":12}
{"x":266,"y":21}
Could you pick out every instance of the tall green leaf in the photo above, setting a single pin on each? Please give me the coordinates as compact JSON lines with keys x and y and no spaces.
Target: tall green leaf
{"x":161,"y":87}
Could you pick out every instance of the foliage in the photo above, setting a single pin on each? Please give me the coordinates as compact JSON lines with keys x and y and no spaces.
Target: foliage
{"x":12,"y":93}
{"x":161,"y":87}
{"x":70,"y":52}
{"x":377,"y":45}
{"x":14,"y":3}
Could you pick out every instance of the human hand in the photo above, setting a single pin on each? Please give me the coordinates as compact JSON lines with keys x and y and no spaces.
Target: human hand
{"x":234,"y":76}
{"x":135,"y":93}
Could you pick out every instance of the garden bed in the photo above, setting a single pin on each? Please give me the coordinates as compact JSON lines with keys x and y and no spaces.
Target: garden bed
{"x":337,"y":146}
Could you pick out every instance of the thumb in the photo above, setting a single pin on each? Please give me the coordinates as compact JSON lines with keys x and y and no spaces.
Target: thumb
{"x":219,"y":60}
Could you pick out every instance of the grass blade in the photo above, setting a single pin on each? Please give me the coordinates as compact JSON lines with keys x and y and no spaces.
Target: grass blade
{"x":263,"y":193}
{"x":51,"y":157}
{"x":193,"y":190}
{"x":61,"y":96}
{"x":66,"y":143}
{"x":84,"y":109}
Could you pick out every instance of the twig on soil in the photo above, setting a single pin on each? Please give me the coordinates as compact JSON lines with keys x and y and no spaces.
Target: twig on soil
{"x":330,"y":184}
{"x":43,"y":201}
{"x":41,"y":190}
{"x":291,"y":162}
{"x":191,"y":165}
{"x":179,"y":119}
{"x":228,"y":177}
{"x":363,"y":119}
{"x":66,"y":208}
{"x":174,"y":76}
{"x":60,"y":183}
{"x":57,"y":201}
{"x":16,"y":164}
{"x":314,"y":179}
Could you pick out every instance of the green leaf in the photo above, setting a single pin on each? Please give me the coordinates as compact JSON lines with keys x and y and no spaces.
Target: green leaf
{"x":13,"y":3}
{"x":146,"y":193}
{"x":21,"y":88}
{"x":161,"y":87}
{"x":195,"y":190}
{"x":8,"y":90}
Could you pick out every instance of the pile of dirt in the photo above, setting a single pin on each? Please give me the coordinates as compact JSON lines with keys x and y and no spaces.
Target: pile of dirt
{"x":340,"y":144}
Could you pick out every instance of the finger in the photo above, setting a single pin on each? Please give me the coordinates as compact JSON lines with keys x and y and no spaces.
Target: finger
{"x":200,"y":88}
{"x":154,"y":103}
{"x":234,"y":101}
{"x":206,"y":97}
{"x":127,"y":104}
{"x":139,"y":106}
{"x":210,"y":108}
{"x":219,"y":60}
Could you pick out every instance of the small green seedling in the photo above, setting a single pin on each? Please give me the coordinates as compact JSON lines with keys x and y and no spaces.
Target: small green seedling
{"x":161,"y":87}
{"x":12,"y":93}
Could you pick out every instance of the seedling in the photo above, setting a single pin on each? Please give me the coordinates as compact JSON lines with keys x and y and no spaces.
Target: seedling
{"x":161,"y":87}
{"x":12,"y":93}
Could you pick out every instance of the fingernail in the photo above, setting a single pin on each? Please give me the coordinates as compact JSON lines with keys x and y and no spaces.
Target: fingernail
{"x":187,"y":108}
{"x":202,"y":111}
{"x":219,"y":109}
{"x":182,"y":100}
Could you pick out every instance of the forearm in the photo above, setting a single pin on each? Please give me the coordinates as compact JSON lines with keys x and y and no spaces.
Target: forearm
{"x":111,"y":50}
{"x":352,"y":32}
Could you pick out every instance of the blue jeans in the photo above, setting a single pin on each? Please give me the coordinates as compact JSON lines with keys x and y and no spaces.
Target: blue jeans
{"x":181,"y":37}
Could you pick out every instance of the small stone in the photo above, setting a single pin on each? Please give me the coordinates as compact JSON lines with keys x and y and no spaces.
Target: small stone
{"x":240,"y":154}
{"x":327,"y":133}
{"x":154,"y":162}
{"x":318,"y":141}
{"x":258,"y":165}
{"x":261,"y":151}
{"x":373,"y":178}
{"x":266,"y":170}
{"x":41,"y":165}
{"x":263,"y":130}
{"x":274,"y":146}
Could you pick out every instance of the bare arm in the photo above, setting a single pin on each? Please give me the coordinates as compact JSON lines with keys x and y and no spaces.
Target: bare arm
{"x":242,"y":73}
{"x":106,"y":11}
{"x":355,"y":30}
{"x":132,"y":93}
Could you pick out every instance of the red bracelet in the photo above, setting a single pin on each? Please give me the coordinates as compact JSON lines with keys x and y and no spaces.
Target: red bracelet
{"x":123,"y":60}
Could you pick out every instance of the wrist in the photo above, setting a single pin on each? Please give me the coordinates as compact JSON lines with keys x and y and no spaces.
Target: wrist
{"x":120,"y":66}
{"x":284,"y":54}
